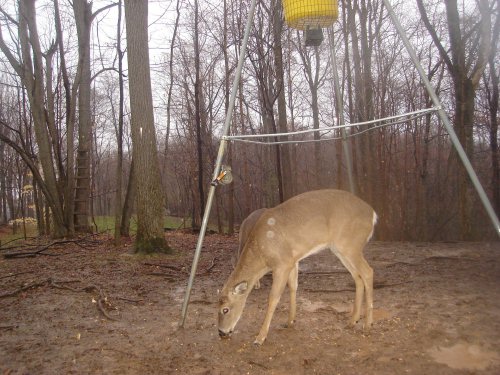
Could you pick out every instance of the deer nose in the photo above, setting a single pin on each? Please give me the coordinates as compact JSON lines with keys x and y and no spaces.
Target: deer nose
{"x":223,"y":334}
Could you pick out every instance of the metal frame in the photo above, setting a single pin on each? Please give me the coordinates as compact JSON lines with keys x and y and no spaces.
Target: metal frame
{"x":394,"y":120}
{"x":225,"y":138}
{"x":218,"y":163}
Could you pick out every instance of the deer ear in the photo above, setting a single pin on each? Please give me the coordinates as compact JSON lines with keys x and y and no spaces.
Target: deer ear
{"x":240,"y":288}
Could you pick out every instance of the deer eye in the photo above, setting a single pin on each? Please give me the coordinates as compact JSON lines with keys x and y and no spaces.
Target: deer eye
{"x":225,"y":310}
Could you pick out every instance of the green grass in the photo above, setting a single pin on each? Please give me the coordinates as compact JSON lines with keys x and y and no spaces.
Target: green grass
{"x":107,"y":223}
{"x":8,"y":238}
{"x":104,"y":224}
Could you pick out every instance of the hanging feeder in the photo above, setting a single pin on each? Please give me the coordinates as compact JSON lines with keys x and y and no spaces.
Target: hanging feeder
{"x":225,"y":176}
{"x":311,"y":16}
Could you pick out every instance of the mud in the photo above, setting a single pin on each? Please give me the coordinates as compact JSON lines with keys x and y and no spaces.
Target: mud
{"x":101,"y":310}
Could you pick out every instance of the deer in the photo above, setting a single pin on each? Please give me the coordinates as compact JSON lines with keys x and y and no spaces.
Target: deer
{"x":283,"y":236}
{"x":246,"y":227}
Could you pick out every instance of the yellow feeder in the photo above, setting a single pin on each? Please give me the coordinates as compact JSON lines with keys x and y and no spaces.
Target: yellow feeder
{"x":310,"y":14}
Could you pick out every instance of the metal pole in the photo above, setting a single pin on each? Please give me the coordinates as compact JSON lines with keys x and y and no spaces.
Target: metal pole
{"x":340,"y":111}
{"x":218,"y":163}
{"x":446,"y":121}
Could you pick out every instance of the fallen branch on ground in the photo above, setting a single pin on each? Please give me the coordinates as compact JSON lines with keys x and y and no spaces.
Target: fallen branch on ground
{"x":168,"y":266}
{"x":320,"y":273}
{"x":14,"y":275}
{"x":329,"y":290}
{"x":130,"y":299}
{"x":102,"y":300}
{"x":24,"y":288}
{"x":167,"y":276}
{"x":42,"y":249}
{"x":209,"y":268}
{"x":375,"y":286}
{"x":179,"y":270}
{"x":8,"y":328}
{"x":2,"y":248}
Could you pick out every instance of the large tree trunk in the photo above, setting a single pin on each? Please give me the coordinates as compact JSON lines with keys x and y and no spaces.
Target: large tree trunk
{"x":83,"y":17}
{"x":464,"y":119}
{"x":284,"y":150}
{"x":493,"y":99}
{"x":227,"y":73}
{"x":198,"y":104}
{"x":150,"y":197}
{"x":70,"y":112}
{"x":3,"y":183}
{"x":312,"y":77}
{"x":128,"y":202}
{"x":119,"y":133}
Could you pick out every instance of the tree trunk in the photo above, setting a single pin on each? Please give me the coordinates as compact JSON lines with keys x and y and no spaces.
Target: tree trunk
{"x":465,"y":68}
{"x":128,"y":202}
{"x":197,"y":109}
{"x":3,"y":185}
{"x":284,"y":150}
{"x":312,"y":77}
{"x":227,"y":73}
{"x":150,"y":197}
{"x":31,"y":72}
{"x":83,"y":17}
{"x":119,"y":133}
{"x":493,"y":100}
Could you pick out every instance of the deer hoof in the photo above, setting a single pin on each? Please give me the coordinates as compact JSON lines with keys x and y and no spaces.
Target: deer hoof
{"x":259,"y":341}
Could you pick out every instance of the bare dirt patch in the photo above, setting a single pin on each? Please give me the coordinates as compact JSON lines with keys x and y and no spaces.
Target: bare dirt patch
{"x":101,"y":310}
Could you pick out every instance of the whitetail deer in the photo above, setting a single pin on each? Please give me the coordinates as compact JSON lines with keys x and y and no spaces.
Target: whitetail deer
{"x":245,"y":229}
{"x":294,"y":230}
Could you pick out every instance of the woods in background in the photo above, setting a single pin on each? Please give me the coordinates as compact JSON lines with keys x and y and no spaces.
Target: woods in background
{"x":68,"y":150}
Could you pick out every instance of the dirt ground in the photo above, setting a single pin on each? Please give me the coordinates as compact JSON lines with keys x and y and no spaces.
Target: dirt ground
{"x":89,"y":308}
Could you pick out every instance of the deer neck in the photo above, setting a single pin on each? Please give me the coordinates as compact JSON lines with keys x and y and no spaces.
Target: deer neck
{"x":250,"y":268}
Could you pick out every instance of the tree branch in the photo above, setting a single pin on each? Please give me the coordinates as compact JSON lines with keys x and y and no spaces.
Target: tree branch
{"x":96,"y":13}
{"x":434,"y":36}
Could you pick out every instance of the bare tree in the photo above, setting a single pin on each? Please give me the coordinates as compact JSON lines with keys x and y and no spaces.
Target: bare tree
{"x":492,"y":91}
{"x":466,"y":59}
{"x":198,"y":104}
{"x":83,"y":18}
{"x":119,"y":130}
{"x":150,"y":197}
{"x":284,"y":149}
{"x":311,"y":61}
{"x":29,"y":67}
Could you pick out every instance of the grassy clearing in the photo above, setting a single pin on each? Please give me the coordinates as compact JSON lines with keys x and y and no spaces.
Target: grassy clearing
{"x":107,"y":223}
{"x":10,"y":237}
{"x":101,"y":224}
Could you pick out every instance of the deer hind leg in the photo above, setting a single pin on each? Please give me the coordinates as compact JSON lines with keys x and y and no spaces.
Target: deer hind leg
{"x":280,"y":277}
{"x":366,"y":273}
{"x":293,"y":283}
{"x":362,"y":274}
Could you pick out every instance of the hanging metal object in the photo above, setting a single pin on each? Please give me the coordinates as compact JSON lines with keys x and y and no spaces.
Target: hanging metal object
{"x":313,"y":36}
{"x":224,"y":177}
{"x":310,"y":16}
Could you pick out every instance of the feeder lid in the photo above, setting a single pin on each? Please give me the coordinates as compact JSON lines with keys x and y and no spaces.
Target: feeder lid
{"x":301,"y":14}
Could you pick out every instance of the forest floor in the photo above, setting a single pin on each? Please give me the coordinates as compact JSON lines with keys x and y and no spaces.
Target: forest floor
{"x":91,"y":308}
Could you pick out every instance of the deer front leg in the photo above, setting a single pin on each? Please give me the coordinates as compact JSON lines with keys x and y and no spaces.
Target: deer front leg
{"x":293,"y":282}
{"x":280,"y":277}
